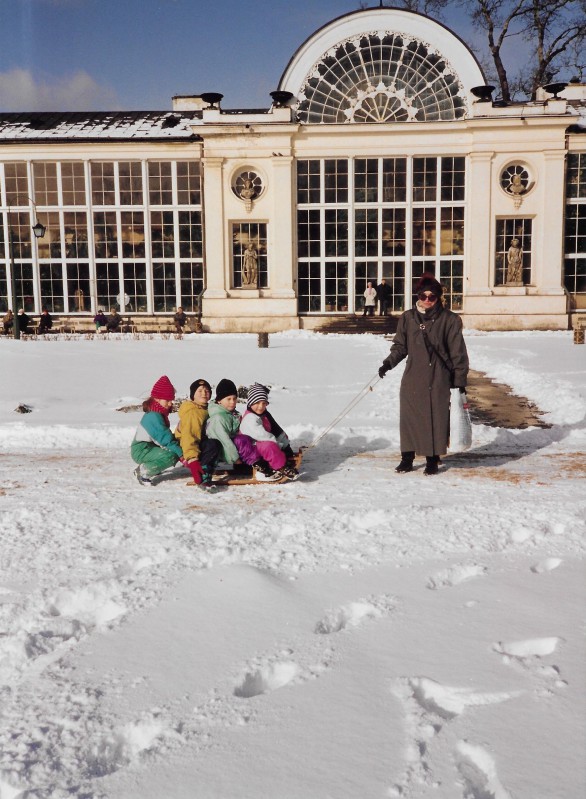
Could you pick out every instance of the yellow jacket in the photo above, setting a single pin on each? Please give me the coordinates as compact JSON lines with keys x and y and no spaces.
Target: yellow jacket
{"x":190,"y":430}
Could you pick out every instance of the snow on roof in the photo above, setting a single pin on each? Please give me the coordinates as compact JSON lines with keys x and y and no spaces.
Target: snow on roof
{"x":98,"y":125}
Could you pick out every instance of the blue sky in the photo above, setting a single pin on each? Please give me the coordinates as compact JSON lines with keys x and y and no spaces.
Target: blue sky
{"x":67,"y":55}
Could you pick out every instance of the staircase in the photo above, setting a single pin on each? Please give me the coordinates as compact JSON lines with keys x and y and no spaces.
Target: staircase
{"x":379,"y":325}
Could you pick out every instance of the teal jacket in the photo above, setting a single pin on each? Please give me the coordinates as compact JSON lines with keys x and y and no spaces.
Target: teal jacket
{"x":223,"y":426}
{"x":153,"y":429}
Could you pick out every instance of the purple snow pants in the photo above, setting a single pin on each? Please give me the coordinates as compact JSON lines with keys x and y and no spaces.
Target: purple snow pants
{"x":250,"y":451}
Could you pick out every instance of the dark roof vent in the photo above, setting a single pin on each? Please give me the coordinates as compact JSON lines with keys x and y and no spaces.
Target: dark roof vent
{"x":38,"y":123}
{"x":171,"y":121}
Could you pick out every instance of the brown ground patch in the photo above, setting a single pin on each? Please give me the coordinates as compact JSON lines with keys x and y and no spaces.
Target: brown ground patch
{"x":495,"y":405}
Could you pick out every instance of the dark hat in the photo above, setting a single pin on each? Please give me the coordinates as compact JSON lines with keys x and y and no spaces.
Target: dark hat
{"x":163,"y":389}
{"x":225,"y":388}
{"x":257,"y":393}
{"x":427,"y":282}
{"x":196,"y":384}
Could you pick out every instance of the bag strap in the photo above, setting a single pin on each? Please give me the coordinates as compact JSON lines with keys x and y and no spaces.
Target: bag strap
{"x":431,"y":350}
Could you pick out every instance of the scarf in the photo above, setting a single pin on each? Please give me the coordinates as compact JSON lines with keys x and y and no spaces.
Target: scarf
{"x":154,"y":406}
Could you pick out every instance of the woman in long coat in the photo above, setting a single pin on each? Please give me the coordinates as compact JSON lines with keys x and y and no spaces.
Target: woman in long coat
{"x":430,"y":337}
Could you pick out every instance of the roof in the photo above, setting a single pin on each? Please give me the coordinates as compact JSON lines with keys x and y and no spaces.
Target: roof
{"x":98,"y":126}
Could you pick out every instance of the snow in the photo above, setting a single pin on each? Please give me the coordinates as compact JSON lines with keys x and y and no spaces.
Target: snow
{"x":356,"y":633}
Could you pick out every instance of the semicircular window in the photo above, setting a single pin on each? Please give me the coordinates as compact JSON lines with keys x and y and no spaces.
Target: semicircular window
{"x":381,"y":78}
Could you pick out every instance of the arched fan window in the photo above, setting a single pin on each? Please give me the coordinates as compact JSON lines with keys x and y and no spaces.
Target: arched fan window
{"x":381,"y":78}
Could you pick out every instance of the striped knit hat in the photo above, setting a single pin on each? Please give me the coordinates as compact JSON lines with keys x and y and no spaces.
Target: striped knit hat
{"x":256,"y":393}
{"x":163,"y":389}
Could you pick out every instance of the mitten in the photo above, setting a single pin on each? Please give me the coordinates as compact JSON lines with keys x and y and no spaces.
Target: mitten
{"x":383,"y":370}
{"x":196,"y":471}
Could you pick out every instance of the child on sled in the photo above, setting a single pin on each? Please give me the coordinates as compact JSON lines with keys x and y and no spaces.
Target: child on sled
{"x":154,"y":446}
{"x":200,"y":453}
{"x":271,"y":442}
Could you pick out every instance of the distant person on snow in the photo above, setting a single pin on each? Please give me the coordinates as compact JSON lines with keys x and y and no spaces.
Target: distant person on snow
{"x":45,"y":322}
{"x":430,"y":337}
{"x":271,"y":441}
{"x":200,"y":453}
{"x":154,"y":447}
{"x":100,"y":320}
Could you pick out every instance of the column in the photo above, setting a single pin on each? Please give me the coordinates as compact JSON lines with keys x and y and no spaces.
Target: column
{"x":479,"y":255}
{"x":213,"y":213}
{"x":549,"y":267}
{"x":282,"y":253}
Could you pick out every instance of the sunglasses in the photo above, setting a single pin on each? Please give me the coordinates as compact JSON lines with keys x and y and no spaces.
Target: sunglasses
{"x":431,"y":297}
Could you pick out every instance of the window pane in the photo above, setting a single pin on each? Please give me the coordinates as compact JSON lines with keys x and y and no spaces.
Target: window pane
{"x":45,"y":182}
{"x":103,"y":183}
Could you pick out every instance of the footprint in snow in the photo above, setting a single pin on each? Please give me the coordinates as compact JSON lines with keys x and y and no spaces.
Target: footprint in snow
{"x":354,"y":613}
{"x":526,"y":654}
{"x":265,"y":675}
{"x":547,"y":565}
{"x":455,"y":575}
{"x":428,"y":706}
{"x":478,"y":771}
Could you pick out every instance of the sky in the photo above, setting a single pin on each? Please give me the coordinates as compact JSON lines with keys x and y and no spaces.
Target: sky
{"x":355,"y":633}
{"x":67,"y":55}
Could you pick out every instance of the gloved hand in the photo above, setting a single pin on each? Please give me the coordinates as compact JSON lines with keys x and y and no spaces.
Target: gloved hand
{"x":288,"y":452}
{"x":196,"y":471}
{"x":383,"y":370}
{"x":462,"y":389}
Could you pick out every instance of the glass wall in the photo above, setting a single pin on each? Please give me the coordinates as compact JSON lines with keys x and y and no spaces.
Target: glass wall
{"x":366,"y":219}
{"x":125,"y":234}
{"x":575,"y":232}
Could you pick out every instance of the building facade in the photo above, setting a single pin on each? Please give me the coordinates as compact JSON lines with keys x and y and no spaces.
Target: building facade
{"x":382,"y":155}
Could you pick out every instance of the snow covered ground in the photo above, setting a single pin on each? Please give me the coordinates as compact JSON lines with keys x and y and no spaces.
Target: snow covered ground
{"x":355,"y":634}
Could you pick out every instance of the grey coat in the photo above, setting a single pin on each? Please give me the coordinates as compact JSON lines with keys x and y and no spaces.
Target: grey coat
{"x":428,"y":376}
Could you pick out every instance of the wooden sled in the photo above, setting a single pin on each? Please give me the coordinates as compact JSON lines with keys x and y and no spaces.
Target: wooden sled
{"x":246,"y":479}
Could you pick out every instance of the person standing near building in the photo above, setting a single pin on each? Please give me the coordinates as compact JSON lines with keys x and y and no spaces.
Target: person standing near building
{"x":369,"y":299}
{"x":383,"y":295}
{"x":430,"y":337}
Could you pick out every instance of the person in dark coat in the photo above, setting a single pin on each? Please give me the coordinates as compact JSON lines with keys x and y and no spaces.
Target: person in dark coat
{"x":23,"y":321}
{"x":383,"y":295}
{"x":113,"y":321}
{"x":180,"y":320}
{"x":100,"y":319}
{"x":45,"y":322}
{"x":430,"y":337}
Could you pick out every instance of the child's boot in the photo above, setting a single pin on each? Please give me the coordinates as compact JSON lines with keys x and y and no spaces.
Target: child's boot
{"x":262,"y":472}
{"x":206,"y":480}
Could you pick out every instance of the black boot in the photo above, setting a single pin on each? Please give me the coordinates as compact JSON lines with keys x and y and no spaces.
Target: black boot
{"x":406,"y":464}
{"x":431,"y":465}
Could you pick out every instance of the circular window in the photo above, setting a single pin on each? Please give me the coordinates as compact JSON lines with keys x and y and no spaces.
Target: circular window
{"x":247,"y":185}
{"x":516,"y":180}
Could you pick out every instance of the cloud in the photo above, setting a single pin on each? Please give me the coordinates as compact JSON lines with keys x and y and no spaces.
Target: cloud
{"x":20,"y":91}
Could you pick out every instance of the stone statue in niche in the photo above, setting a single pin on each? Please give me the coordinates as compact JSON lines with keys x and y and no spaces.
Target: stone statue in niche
{"x":515,"y":264}
{"x":249,"y":266}
{"x":247,"y":191}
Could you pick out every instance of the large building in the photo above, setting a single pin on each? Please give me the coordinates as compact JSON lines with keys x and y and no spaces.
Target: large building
{"x":382,"y":155}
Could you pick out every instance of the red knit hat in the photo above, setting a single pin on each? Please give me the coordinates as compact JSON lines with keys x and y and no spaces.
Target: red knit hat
{"x":163,"y":389}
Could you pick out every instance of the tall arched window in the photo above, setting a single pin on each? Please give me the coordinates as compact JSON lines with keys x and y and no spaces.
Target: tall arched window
{"x":377,"y":77}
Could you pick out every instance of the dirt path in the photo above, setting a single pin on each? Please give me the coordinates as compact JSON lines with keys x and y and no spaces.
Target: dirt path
{"x":494,"y":404}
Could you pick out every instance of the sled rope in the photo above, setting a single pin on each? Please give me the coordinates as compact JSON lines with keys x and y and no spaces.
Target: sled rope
{"x":345,"y":411}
